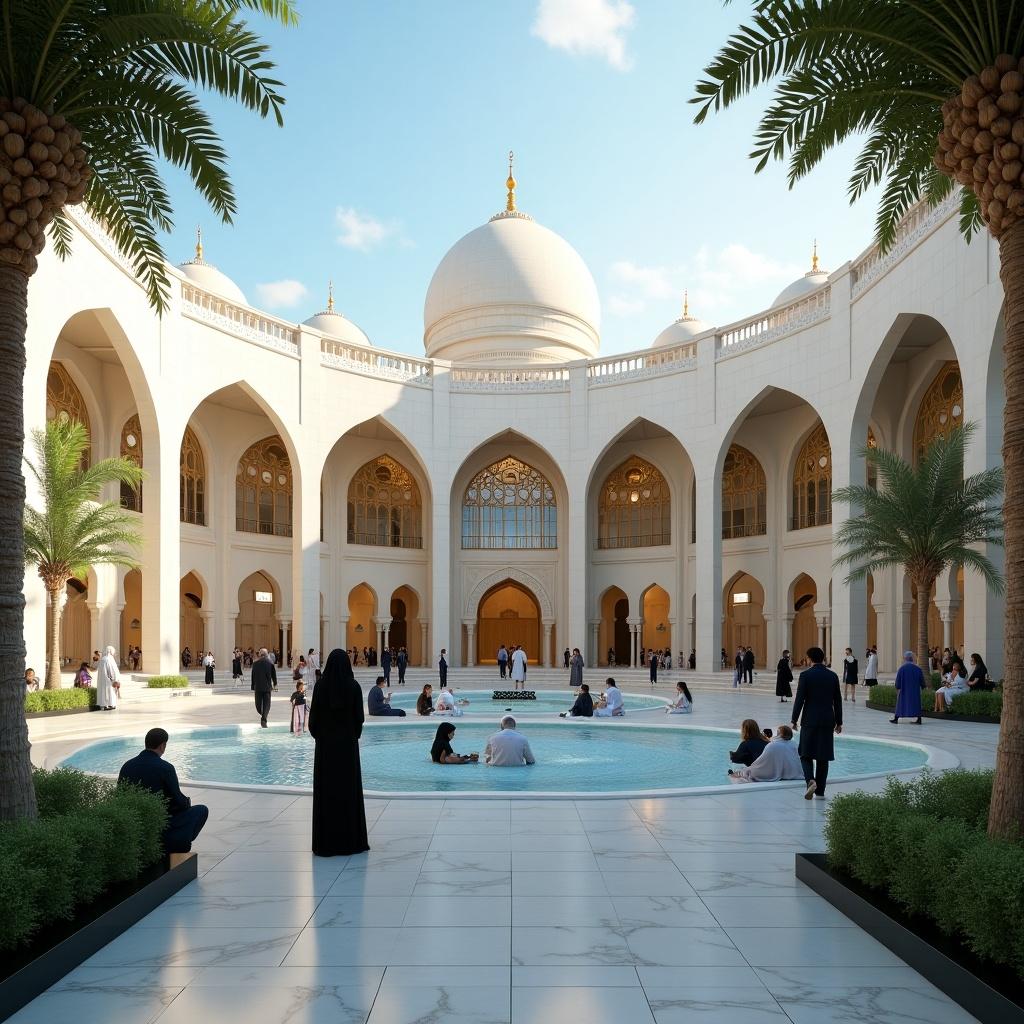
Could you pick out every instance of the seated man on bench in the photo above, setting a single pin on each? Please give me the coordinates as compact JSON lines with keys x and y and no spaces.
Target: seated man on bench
{"x":150,"y":771}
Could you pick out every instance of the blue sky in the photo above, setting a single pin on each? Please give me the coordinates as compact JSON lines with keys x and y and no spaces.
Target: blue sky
{"x":399,"y":115}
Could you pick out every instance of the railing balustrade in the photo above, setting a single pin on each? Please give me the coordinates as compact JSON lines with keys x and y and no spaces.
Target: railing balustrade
{"x":375,"y":363}
{"x":634,"y":365}
{"x":509,"y":378}
{"x":238,"y":320}
{"x":820,"y":518}
{"x":733,"y":531}
{"x":775,"y":323}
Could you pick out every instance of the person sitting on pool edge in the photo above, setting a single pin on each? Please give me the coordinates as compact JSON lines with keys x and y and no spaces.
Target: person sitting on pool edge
{"x":752,"y":744}
{"x":610,"y":704}
{"x":779,"y":761}
{"x":584,"y":706}
{"x":425,"y":702}
{"x":378,"y":704}
{"x":508,"y":748}
{"x":150,"y":771}
{"x":683,"y":704}
{"x":441,"y":752}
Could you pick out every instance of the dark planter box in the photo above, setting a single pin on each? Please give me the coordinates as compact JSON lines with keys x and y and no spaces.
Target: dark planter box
{"x":64,"y":711}
{"x":950,"y":716}
{"x":992,"y":994}
{"x":60,"y":948}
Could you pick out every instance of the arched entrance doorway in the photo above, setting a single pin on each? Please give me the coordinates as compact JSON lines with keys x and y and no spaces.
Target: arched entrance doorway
{"x":257,"y":625}
{"x":399,"y":635}
{"x":614,"y":634}
{"x":508,"y":614}
{"x":405,"y":615}
{"x":361,"y":631}
{"x":744,"y":617}
{"x":657,"y":630}
{"x":131,"y":615}
{"x":805,"y":626}
{"x":75,"y":625}
{"x":192,"y":632}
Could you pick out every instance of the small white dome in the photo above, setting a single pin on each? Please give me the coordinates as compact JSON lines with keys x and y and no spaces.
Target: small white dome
{"x":512,"y":291}
{"x":686,"y":328}
{"x":813,"y":279}
{"x":206,"y":276}
{"x":338,"y":327}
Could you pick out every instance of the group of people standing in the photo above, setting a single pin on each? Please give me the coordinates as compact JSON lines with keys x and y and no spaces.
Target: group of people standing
{"x":512,"y":662}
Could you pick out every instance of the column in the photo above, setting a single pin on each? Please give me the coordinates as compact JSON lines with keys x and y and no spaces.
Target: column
{"x":470,"y":625}
{"x":324,"y":638}
{"x":595,"y":643}
{"x":948,"y":609}
{"x":709,"y":570}
{"x":423,"y":643}
{"x":672,"y":640}
{"x":820,"y":620}
{"x":548,"y":624}
{"x":786,"y":622}
{"x":771,"y":637}
{"x":342,"y":635}
{"x":906,"y":641}
{"x":285,"y":625}
{"x":95,"y":635}
{"x":440,"y":605}
{"x":226,"y":643}
{"x":208,"y":639}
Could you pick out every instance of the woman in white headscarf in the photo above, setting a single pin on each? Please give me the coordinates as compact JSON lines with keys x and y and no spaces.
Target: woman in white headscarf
{"x":108,"y":681}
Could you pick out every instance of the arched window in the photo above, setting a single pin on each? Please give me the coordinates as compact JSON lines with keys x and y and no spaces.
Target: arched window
{"x":509,"y":505}
{"x":744,"y":493}
{"x":812,"y":481}
{"x":384,"y":506}
{"x":192,"y":480}
{"x":263,"y":489}
{"x":634,"y":509}
{"x":131,"y":449}
{"x":942,"y":408}
{"x":65,"y":402}
{"x":872,"y":471}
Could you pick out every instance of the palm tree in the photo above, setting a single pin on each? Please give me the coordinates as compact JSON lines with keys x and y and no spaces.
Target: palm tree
{"x":925,"y":518}
{"x":92,"y":94}
{"x":937,"y":89}
{"x":75,"y":530}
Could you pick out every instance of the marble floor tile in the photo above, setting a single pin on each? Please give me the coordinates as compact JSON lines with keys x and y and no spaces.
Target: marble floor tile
{"x":259,"y":883}
{"x":790,"y":947}
{"x":734,"y":862}
{"x":708,"y":1005}
{"x":770,"y":911}
{"x":574,"y":946}
{"x":443,"y":946}
{"x":128,"y":977}
{"x":841,"y":976}
{"x":616,"y":861}
{"x":558,"y":883}
{"x":554,"y":861}
{"x":470,"y":844}
{"x":891,"y":1005}
{"x":459,"y":884}
{"x":360,"y":911}
{"x":746,"y":883}
{"x":624,"y":842}
{"x":575,"y":843}
{"x":388,"y":859}
{"x":245,"y":1004}
{"x":232,"y":912}
{"x":467,"y":911}
{"x":342,"y":947}
{"x":559,"y":1004}
{"x":293,"y":863}
{"x":374,"y":883}
{"x":460,"y":860}
{"x":473,"y":827}
{"x":647,"y":883}
{"x":394,"y":841}
{"x":698,"y":976}
{"x":589,"y":911}
{"x":448,"y":1004}
{"x":663,"y":911}
{"x":101,"y":1005}
{"x":419,"y":976}
{"x":197,"y":947}
{"x":568,"y":976}
{"x":288,"y":977}
{"x":683,"y":947}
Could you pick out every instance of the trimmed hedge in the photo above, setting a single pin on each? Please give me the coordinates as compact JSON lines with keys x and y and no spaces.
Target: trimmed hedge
{"x":167,"y":682}
{"x":60,"y":700}
{"x":985,"y":702}
{"x":924,"y":844}
{"x":90,"y":835}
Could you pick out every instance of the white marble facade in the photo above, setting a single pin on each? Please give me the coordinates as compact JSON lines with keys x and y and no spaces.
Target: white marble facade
{"x":512,"y":330}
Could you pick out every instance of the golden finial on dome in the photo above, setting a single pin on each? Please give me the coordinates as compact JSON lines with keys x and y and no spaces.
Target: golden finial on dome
{"x":330,"y":296}
{"x":686,"y":304}
{"x":510,"y":184}
{"x":199,"y":244}
{"x":814,"y":258}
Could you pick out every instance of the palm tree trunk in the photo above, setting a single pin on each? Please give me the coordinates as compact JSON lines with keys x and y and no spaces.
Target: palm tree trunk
{"x":1007,"y":811}
{"x":924,"y":600}
{"x":17,"y":796}
{"x":53,"y":640}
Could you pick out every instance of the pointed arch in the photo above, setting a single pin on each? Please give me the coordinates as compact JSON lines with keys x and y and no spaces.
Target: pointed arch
{"x":941,"y":408}
{"x":634,"y":508}
{"x":65,"y":402}
{"x":192,"y":480}
{"x":384,"y":505}
{"x":812,"y":481}
{"x":263,"y":489}
{"x":744,"y":494}
{"x":509,"y":505}
{"x":131,"y":449}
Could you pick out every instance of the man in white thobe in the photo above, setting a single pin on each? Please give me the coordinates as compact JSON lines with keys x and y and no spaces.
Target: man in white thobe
{"x":508,"y":748}
{"x":779,"y":761}
{"x":108,"y":681}
{"x":519,"y":667}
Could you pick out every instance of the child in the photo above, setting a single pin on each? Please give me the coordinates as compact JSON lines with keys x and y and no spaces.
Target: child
{"x":298,"y":701}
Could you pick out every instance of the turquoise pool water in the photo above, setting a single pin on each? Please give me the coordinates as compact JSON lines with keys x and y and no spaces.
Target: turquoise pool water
{"x":548,"y":702}
{"x":571,"y":757}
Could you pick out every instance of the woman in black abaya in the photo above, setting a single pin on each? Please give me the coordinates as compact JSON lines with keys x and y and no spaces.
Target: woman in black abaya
{"x":335,"y":723}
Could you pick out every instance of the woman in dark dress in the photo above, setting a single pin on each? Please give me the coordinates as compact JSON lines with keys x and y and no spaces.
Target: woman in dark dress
{"x":783,"y":678}
{"x":335,"y":723}
{"x":752,"y":744}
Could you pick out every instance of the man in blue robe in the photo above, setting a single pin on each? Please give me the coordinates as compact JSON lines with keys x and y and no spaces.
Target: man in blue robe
{"x":909,"y":684}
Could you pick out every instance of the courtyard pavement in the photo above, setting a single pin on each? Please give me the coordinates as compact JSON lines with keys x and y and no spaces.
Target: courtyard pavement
{"x":683,"y":909}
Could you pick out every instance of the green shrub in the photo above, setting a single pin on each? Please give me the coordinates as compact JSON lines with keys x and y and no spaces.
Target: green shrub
{"x":935,"y":678}
{"x":167,"y":682}
{"x":60,"y":700}
{"x":923,"y":843}
{"x":984,"y":702}
{"x":91,"y":835}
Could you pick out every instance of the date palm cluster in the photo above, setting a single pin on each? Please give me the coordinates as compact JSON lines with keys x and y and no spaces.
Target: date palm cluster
{"x":43,"y":168}
{"x":982,"y":140}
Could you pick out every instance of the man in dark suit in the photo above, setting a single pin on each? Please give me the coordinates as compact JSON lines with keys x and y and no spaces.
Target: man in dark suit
{"x":264,"y":679}
{"x":819,"y":698}
{"x":442,"y":668}
{"x":385,"y":665}
{"x":150,"y":771}
{"x":653,"y":659}
{"x":748,"y":666}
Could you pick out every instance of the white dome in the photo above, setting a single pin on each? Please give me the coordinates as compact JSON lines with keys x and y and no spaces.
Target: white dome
{"x":801,"y":286}
{"x":686,"y":328}
{"x":512,"y":291}
{"x":338,"y":327}
{"x":206,"y":276}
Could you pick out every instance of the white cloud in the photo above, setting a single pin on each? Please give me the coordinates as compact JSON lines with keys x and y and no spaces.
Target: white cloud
{"x":724,"y":284}
{"x":282,"y":294}
{"x":587,"y":27}
{"x":361,"y":230}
